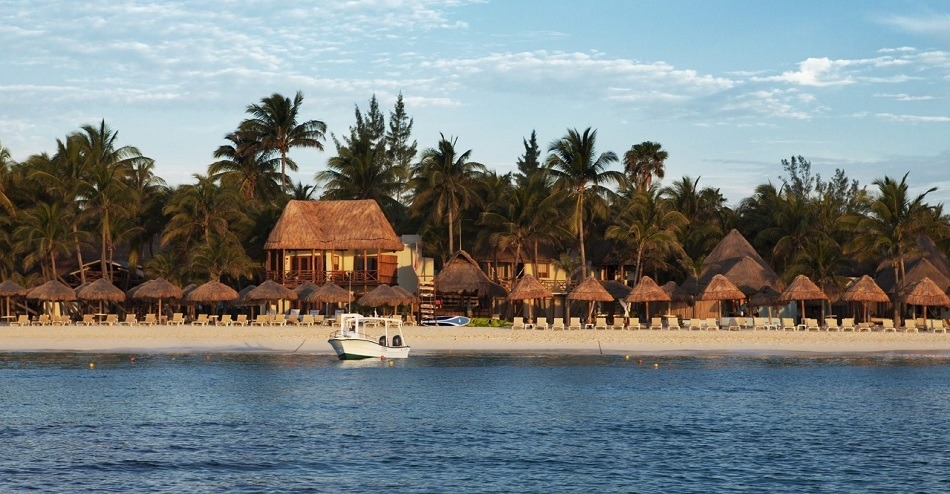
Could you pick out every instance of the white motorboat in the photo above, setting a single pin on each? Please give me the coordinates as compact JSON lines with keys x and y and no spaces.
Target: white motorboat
{"x":352,"y":341}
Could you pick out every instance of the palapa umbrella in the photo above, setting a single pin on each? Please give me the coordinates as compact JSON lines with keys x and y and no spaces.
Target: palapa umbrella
{"x":269,"y":291}
{"x":100,"y":291}
{"x":380,"y":296}
{"x":865,"y":290}
{"x":766,"y":297}
{"x":407,"y":297}
{"x":592,"y":291}
{"x":52,"y":291}
{"x":304,"y":289}
{"x":802,"y":289}
{"x":212,"y":291}
{"x":329,"y":293}
{"x":647,"y":291}
{"x":928,"y":294}
{"x":719,"y":289}
{"x":529,"y":288}
{"x":619,"y":292}
{"x":242,"y":296}
{"x":157,"y":289}
{"x":9,"y":289}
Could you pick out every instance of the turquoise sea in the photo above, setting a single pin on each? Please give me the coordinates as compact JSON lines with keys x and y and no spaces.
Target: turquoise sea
{"x":474,"y":423}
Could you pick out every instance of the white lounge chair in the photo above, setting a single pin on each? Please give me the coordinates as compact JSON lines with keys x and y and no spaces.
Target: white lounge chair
{"x":656,"y":323}
{"x":150,"y":320}
{"x":558,"y":324}
{"x":130,"y":320}
{"x":695,"y":323}
{"x":788,"y":324}
{"x":847,"y":324}
{"x":575,"y":323}
{"x":224,"y":320}
{"x":831,"y":324}
{"x":601,"y":323}
{"x":518,"y":323}
{"x":241,"y":320}
{"x":711,"y":324}
{"x":542,"y":323}
{"x":936,"y":325}
{"x":177,"y":319}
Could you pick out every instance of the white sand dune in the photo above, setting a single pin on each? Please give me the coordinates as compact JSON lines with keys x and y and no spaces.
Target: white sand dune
{"x":172,"y":339}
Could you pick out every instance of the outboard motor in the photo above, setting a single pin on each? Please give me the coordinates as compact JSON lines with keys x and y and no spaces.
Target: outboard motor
{"x":382,"y":340}
{"x":397,"y":340}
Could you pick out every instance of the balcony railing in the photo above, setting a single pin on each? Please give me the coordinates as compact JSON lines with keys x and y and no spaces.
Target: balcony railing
{"x":556,"y":286}
{"x":293,"y":278}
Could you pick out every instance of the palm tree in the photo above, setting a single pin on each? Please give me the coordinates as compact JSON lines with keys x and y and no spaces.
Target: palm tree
{"x":360,"y":170}
{"x":220,"y":256}
{"x":274,"y":124}
{"x":701,"y":206}
{"x":43,"y":234}
{"x":644,"y":161}
{"x":822,"y":260}
{"x":244,"y":163}
{"x":891,"y":230}
{"x":647,"y":226}
{"x":524,"y":219}
{"x":6,"y":160}
{"x":200,"y":211}
{"x":303,"y":192}
{"x":583,"y":175}
{"x":445,"y":182}
{"x":105,"y":193}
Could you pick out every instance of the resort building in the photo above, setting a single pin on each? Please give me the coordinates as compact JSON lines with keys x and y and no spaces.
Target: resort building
{"x":350,"y":243}
{"x":503,"y":268}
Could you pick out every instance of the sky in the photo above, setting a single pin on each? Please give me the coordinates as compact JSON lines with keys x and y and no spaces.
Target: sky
{"x":729,"y":88}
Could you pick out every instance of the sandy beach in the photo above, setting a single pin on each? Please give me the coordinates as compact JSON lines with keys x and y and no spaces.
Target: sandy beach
{"x":447,"y":340}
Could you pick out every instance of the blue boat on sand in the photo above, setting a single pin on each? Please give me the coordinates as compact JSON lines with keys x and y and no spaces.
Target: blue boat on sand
{"x":446,"y":321}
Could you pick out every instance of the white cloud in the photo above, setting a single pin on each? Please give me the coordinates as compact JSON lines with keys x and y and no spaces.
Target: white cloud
{"x":816,"y":72}
{"x":913,"y":118}
{"x":930,"y":25}
{"x":904,"y":97}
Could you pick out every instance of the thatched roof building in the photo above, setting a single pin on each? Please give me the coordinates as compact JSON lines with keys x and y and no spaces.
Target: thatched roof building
{"x":720,"y":288}
{"x":381,"y":295}
{"x":736,"y":259}
{"x":270,"y":291}
{"x":802,"y":289}
{"x":462,"y":275}
{"x":733,"y":247}
{"x":52,"y":291}
{"x":101,"y":290}
{"x":333,"y":225}
{"x":590,"y":290}
{"x":10,"y":288}
{"x":915,"y":271}
{"x":329,"y":293}
{"x":212,"y":291}
{"x":648,"y":291}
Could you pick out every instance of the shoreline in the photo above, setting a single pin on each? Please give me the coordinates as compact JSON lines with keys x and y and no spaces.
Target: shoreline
{"x":464,"y":340}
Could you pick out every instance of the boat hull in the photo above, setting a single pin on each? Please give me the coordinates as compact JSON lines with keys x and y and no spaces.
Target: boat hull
{"x":447,"y":321}
{"x":358,"y":348}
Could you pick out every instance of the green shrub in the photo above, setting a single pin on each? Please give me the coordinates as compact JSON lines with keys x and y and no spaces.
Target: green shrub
{"x":484,"y":322}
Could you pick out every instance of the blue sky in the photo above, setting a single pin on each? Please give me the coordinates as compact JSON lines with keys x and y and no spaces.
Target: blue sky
{"x":728,"y":87}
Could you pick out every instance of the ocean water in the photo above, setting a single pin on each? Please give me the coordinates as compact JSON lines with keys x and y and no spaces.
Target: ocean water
{"x":474,"y":423}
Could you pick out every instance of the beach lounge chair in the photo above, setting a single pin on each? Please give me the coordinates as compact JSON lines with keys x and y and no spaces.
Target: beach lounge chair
{"x":575,"y":323}
{"x":694,"y":324}
{"x":224,"y":320}
{"x":888,"y":325}
{"x":279,"y":320}
{"x":177,"y":319}
{"x":788,"y":324}
{"x":518,"y":323}
{"x":736,"y":323}
{"x":60,"y":320}
{"x":673,"y":323}
{"x":601,"y":323}
{"x":241,"y":320}
{"x":21,"y":320}
{"x":910,"y":326}
{"x":557,"y":324}
{"x":831,"y":324}
{"x":150,"y":320}
{"x":936,"y":325}
{"x":201,"y":320}
{"x":41,"y":320}
{"x":811,"y":324}
{"x":261,"y":320}
{"x":759,"y":323}
{"x":847,"y":324}
{"x":619,"y":323}
{"x":112,"y":320}
{"x":306,"y":320}
{"x":318,"y":319}
{"x":129,"y":320}
{"x":87,"y":320}
{"x":711,"y":324}
{"x":656,"y":323}
{"x":542,"y":323}
{"x":864,"y":326}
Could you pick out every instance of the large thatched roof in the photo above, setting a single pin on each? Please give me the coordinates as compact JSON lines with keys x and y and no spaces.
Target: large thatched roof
{"x":270,"y":290}
{"x":381,"y":295}
{"x":720,"y":288}
{"x":10,"y":288}
{"x":212,"y":291}
{"x":765,"y":297}
{"x":926,"y":292}
{"x":748,"y":275}
{"x":333,"y":225}
{"x":462,"y":275}
{"x":305,"y":288}
{"x":329,"y":293}
{"x":648,"y":291}
{"x":529,"y":288}
{"x":52,"y":291}
{"x":732,"y":247}
{"x":157,"y":289}
{"x":864,"y":290}
{"x":590,"y":290}
{"x":101,"y":290}
{"x":802,"y":288}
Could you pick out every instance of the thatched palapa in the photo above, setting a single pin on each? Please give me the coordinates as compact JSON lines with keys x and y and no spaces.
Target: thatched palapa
{"x":927,"y":293}
{"x":462,"y":275}
{"x":648,"y":291}
{"x":52,"y":291}
{"x":802,"y":289}
{"x":329,"y":293}
{"x":304,"y":289}
{"x":212,"y":291}
{"x":590,"y":290}
{"x":270,"y":291}
{"x":9,"y":289}
{"x":408,"y":298}
{"x":864,"y":290}
{"x":765,"y":297}
{"x":720,"y":288}
{"x":157,"y":289}
{"x":617,"y":290}
{"x":529,"y":288}
{"x":242,"y":296}
{"x":916,"y":271}
{"x":730,"y":249}
{"x":101,"y":290}
{"x":333,"y":225}
{"x":677,"y":293}
{"x":750,"y":277}
{"x":380,"y":296}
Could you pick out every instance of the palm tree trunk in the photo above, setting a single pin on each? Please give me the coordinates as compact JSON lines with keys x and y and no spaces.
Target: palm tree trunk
{"x":102,"y":254}
{"x":451,"y":240}
{"x":897,"y":296}
{"x":580,"y":233}
{"x":52,"y":263}
{"x":82,"y":270}
{"x":283,"y":170}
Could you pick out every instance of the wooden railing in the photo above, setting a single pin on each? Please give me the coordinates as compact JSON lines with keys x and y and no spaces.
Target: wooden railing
{"x":556,"y":286}
{"x":340,"y":277}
